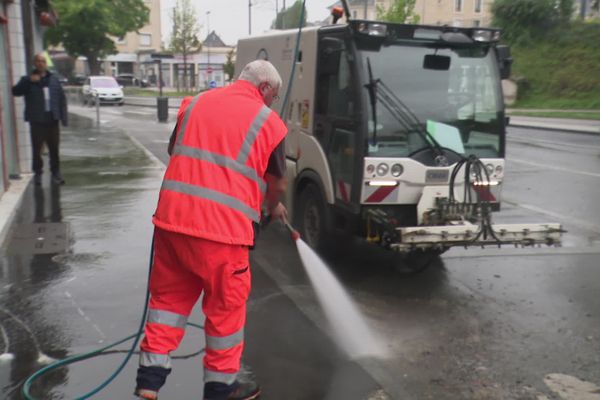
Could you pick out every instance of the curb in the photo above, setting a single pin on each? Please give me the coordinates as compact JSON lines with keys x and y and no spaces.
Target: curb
{"x":10,"y":202}
{"x":553,"y":127}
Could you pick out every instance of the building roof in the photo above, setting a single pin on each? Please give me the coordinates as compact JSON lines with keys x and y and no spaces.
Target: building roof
{"x":213,"y":40}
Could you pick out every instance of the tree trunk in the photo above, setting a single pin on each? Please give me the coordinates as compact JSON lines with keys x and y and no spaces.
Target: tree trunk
{"x":185,"y":72}
{"x":93,"y":63}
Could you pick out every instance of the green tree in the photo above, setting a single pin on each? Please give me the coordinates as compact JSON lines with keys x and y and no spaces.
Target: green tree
{"x":523,"y":21}
{"x":85,"y":27}
{"x":184,"y":36}
{"x":229,"y":66}
{"x":401,"y":11}
{"x":288,"y":18}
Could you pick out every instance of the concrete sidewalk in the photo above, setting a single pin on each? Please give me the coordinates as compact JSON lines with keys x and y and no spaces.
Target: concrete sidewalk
{"x":75,"y":269}
{"x":556,"y":124}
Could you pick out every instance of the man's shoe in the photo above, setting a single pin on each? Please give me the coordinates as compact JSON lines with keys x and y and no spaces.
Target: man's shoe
{"x":146,"y":394}
{"x":37,"y":179}
{"x":58,"y":179}
{"x":246,"y":390}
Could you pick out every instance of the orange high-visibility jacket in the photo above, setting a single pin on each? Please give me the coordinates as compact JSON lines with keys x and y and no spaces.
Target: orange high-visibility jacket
{"x":214,"y":185}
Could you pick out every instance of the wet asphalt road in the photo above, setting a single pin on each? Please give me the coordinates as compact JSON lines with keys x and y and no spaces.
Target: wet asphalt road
{"x":479,"y":324}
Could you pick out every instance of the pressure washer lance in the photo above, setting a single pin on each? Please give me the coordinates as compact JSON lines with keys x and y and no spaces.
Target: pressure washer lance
{"x":266,"y":220}
{"x":295,"y":234}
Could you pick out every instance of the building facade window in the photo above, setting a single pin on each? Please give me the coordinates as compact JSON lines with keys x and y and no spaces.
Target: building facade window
{"x":121,"y":40}
{"x":458,"y":4}
{"x":476,"y":23}
{"x":478,"y":4}
{"x":145,"y":39}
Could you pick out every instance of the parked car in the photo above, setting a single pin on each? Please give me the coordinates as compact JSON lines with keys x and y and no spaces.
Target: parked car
{"x":78,"y":79}
{"x":105,"y":88}
{"x":61,"y":78}
{"x":131,"y":80}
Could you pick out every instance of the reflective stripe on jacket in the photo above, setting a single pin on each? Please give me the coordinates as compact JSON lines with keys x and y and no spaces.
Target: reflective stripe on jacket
{"x":214,"y":185}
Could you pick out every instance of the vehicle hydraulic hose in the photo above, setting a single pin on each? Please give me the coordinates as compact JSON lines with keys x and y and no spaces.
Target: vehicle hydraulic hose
{"x":296,"y":51}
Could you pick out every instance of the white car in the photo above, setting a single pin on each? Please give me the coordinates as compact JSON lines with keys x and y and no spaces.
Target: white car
{"x":104,"y":88}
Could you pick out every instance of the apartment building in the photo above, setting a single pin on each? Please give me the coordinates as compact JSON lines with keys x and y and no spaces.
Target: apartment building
{"x":134,"y":48}
{"x":431,"y":12}
{"x":455,"y":12}
{"x":22,"y":24}
{"x":205,"y":69}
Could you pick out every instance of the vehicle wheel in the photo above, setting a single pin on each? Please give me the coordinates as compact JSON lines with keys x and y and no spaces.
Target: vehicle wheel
{"x":83,"y":100}
{"x":312,"y":218}
{"x":417,"y":261}
{"x":121,"y":104}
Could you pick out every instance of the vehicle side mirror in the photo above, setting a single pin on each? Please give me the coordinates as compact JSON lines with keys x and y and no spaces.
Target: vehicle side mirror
{"x":505,"y":61}
{"x":330,"y":52}
{"x":436,"y":62}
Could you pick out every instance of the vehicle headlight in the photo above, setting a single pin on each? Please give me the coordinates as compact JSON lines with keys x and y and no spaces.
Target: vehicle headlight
{"x":489,"y":168}
{"x":370,"y":169}
{"x":373,"y":29}
{"x":397,"y":170}
{"x":482,"y":35}
{"x":382,"y":169}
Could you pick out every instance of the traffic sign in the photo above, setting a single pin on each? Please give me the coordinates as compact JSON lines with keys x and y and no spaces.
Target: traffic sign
{"x":212,"y":84}
{"x":209,"y":70}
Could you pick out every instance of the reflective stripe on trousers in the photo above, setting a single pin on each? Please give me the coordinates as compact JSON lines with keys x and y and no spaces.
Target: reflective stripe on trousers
{"x":183,"y":267}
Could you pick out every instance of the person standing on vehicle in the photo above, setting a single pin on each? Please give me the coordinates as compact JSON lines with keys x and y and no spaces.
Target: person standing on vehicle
{"x":45,"y":106}
{"x":226,"y":158}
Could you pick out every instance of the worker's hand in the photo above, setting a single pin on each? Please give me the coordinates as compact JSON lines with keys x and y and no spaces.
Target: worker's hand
{"x":278,"y":212}
{"x":35,"y":77}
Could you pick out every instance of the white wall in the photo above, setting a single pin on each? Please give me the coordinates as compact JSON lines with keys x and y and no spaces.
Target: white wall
{"x":17,"y":49}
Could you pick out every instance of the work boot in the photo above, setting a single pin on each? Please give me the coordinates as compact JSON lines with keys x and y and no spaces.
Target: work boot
{"x":57,"y":178}
{"x":37,"y":179}
{"x":247,"y":390}
{"x":146,"y":394}
{"x":149,"y":381}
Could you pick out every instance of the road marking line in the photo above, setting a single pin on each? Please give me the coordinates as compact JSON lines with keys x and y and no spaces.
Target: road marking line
{"x":565,"y":218}
{"x":572,"y":171}
{"x":138,"y":112}
{"x":571,"y":388}
{"x":562,"y":144}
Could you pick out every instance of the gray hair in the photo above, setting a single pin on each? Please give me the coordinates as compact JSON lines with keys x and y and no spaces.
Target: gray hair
{"x":259,"y":71}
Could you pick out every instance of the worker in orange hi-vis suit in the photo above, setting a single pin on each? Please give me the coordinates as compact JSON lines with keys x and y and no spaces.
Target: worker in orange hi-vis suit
{"x":227,"y":161}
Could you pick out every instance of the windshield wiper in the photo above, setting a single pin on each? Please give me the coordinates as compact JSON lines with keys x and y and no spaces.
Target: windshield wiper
{"x":372,"y":88}
{"x":400,"y":111}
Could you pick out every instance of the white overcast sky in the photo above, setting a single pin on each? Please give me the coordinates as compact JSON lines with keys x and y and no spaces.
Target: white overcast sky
{"x":229,"y":18}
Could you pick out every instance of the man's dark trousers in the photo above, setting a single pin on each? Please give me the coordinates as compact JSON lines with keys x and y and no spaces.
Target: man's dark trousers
{"x":49,"y":133}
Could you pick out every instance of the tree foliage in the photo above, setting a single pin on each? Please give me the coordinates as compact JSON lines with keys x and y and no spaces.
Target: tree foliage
{"x":288,"y":18}
{"x":229,"y":66}
{"x":184,"y":35}
{"x":400,"y":11}
{"x":85,"y":27}
{"x":524,"y":21}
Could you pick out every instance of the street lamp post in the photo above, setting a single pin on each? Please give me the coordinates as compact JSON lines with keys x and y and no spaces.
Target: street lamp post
{"x":249,"y":17}
{"x":208,"y":70}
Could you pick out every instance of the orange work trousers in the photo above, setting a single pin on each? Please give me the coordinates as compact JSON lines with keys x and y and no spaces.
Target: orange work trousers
{"x":184,"y":267}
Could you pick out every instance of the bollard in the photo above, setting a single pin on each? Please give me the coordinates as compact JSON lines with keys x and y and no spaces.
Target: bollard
{"x":162,"y":108}
{"x":97,"y":110}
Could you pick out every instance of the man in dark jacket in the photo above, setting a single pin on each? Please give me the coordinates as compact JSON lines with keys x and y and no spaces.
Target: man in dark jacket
{"x":45,"y":105}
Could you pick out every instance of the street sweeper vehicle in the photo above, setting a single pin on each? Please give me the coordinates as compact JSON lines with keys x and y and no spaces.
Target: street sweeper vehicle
{"x":396,"y":134}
